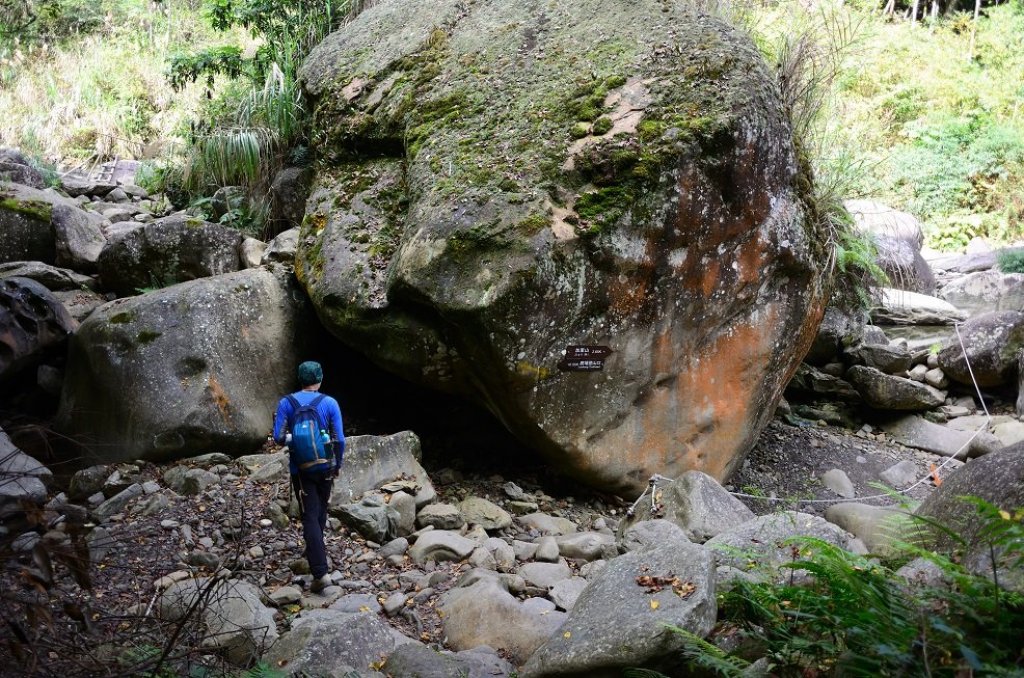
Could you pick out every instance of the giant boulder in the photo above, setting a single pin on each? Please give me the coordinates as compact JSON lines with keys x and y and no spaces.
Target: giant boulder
{"x":503,"y":180}
{"x":189,"y":369}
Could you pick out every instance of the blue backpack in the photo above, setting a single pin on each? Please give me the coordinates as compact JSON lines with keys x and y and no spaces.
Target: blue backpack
{"x":308,"y":446}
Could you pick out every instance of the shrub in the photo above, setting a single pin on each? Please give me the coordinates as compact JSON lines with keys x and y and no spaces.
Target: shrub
{"x":1011,"y":260}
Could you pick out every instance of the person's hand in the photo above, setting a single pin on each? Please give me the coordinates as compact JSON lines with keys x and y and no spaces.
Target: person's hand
{"x":335,"y":471}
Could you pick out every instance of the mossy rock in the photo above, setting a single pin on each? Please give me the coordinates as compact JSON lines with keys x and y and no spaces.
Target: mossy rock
{"x":26,"y":229}
{"x":562,"y":173}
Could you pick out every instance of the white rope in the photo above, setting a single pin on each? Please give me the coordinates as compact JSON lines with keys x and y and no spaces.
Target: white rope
{"x":988,"y":420}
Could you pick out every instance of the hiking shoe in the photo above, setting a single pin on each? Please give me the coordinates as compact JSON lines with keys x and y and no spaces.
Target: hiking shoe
{"x":320,"y":584}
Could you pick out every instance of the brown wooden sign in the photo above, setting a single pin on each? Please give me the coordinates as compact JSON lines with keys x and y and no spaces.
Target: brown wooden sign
{"x":593,"y":352}
{"x":584,"y":358}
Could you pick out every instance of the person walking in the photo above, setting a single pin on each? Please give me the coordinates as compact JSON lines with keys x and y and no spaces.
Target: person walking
{"x":312,"y":482}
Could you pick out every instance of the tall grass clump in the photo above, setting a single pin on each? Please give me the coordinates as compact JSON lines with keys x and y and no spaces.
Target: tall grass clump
{"x":83,"y":82}
{"x":262,"y":119}
{"x":809,"y":51}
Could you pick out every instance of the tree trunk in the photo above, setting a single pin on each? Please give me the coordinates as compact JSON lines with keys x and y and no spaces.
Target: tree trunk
{"x":913,"y":12}
{"x":974,"y":27}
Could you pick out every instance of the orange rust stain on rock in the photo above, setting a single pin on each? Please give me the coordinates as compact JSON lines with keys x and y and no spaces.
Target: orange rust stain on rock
{"x":704,"y":417}
{"x":710,"y":277}
{"x":626,"y":297}
{"x":750,"y":260}
{"x":220,"y":398}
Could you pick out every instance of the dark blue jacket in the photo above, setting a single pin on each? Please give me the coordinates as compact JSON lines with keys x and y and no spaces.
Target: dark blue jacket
{"x":330,"y":414}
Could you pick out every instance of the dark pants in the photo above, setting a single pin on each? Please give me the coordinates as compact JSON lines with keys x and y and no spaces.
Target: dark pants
{"x":313,"y":493}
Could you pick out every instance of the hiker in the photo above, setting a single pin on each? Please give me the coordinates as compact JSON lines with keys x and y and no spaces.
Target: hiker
{"x":310,"y":424}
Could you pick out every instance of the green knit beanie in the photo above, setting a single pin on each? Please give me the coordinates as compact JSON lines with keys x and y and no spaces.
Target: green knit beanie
{"x":310,"y":373}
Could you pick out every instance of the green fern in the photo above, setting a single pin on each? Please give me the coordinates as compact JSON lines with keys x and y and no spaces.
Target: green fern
{"x":709,"y":656}
{"x":848,"y":615}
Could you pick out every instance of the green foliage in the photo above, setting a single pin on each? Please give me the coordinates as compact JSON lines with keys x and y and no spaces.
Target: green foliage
{"x":1011,"y":261}
{"x":225,"y":60}
{"x":843,"y":614}
{"x":36,"y":21}
{"x":285,"y":29}
{"x":856,"y":259}
{"x":943,"y":139}
{"x":255,"y":127}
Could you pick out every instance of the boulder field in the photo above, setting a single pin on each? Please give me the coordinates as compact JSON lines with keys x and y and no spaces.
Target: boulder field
{"x":500,"y":182}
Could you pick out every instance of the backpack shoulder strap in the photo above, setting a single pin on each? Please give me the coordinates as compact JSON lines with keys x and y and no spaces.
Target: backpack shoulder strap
{"x":295,"y":408}
{"x":315,"y":404}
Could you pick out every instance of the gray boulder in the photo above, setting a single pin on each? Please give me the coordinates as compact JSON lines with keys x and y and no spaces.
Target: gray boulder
{"x":899,"y":307}
{"x":33,"y":324}
{"x":52,"y":278}
{"x":586,"y":545}
{"x":888,"y":359}
{"x":485,"y":613}
{"x":26,"y":228}
{"x":985,"y":291}
{"x":441,"y":545}
{"x":997,"y":478}
{"x":119,"y":502}
{"x":282,"y":247}
{"x":546,"y":524}
{"x":235,"y":620}
{"x":991,"y":344}
{"x":78,"y":235}
{"x":486,"y":514}
{"x":373,"y":461}
{"x":76,"y":185}
{"x":288,"y":193}
{"x":699,"y":505}
{"x":418,"y":661}
{"x":88,"y":481}
{"x":371,"y":518}
{"x":839,"y":329}
{"x":765,"y":538}
{"x":167,"y":251}
{"x":619,"y":620}
{"x":706,"y":285}
{"x":23,"y":480}
{"x":903,"y":264}
{"x":333,"y":644}
{"x":440,"y":516}
{"x":889,"y":392}
{"x":921,"y":434}
{"x":16,"y":169}
{"x":545,"y":575}
{"x":811,"y":382}
{"x":146,"y":380}
{"x":879,"y":527}
{"x":650,"y":533}
{"x":878,"y":219}
{"x":47,"y":227}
